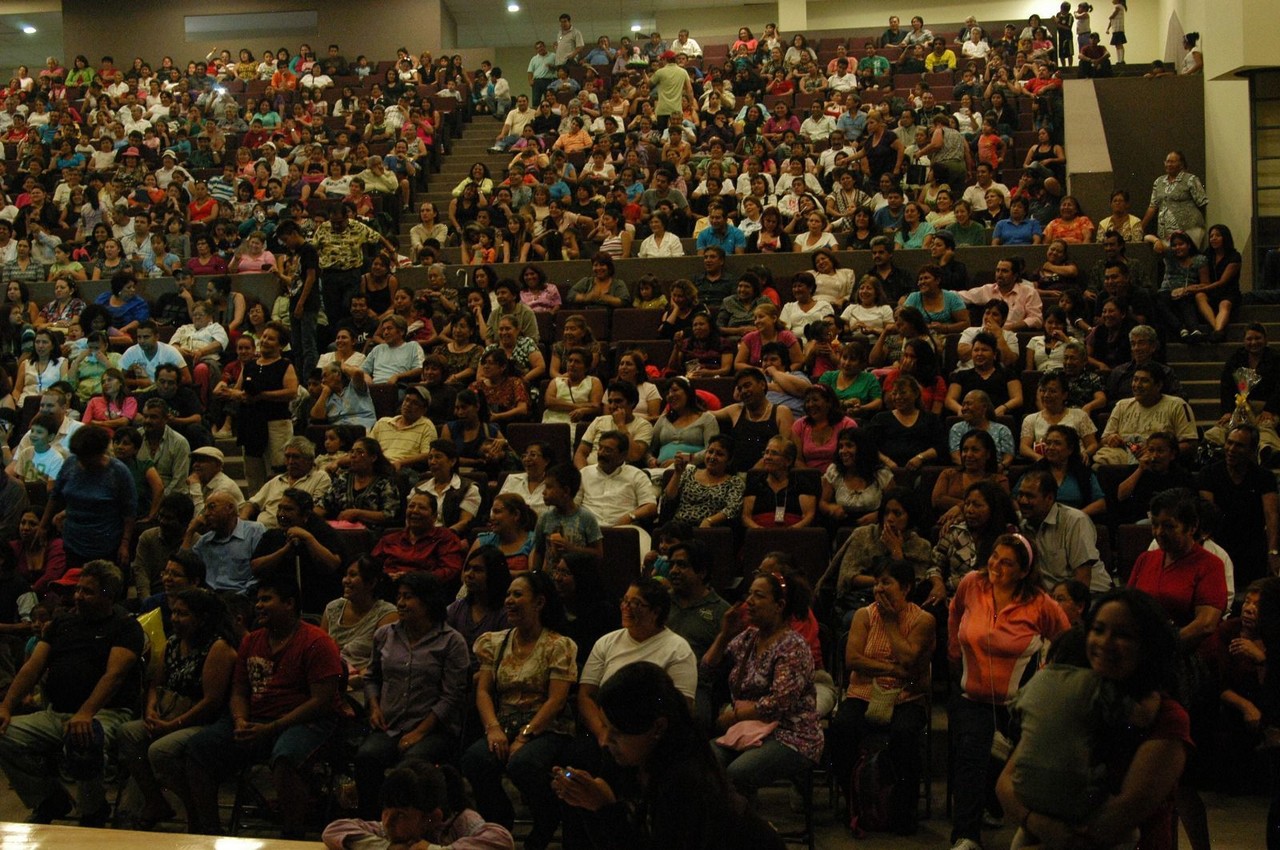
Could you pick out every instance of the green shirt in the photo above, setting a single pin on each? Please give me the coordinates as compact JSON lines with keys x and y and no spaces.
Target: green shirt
{"x":972,"y":233}
{"x":864,"y":388}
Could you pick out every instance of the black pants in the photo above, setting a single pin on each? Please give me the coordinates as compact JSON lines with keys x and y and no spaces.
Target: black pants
{"x":849,"y":729}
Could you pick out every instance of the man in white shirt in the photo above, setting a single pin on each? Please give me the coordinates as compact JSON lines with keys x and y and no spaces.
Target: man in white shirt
{"x":140,"y":360}
{"x":819,"y":125}
{"x":514,"y":125}
{"x":976,"y":194}
{"x":300,"y":472}
{"x":621,"y":399}
{"x":207,"y":478}
{"x":843,"y":80}
{"x":687,"y":46}
{"x":615,"y":492}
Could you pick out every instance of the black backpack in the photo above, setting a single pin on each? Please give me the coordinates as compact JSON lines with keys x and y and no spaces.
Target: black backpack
{"x":871,"y":787}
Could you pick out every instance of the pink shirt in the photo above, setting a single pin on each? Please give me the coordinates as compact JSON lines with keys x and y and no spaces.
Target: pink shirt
{"x":818,"y":455}
{"x":1023,"y":300}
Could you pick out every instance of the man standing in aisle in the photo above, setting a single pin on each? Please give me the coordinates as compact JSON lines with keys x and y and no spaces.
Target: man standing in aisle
{"x":542,"y":70}
{"x":569,"y":41}
{"x":672,"y":84}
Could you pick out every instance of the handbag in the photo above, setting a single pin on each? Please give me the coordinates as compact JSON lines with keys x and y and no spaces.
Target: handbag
{"x":747,"y":734}
{"x":880,"y":706}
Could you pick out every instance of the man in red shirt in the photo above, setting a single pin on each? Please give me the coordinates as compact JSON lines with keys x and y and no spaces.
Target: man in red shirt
{"x":284,"y":700}
{"x":422,"y":545}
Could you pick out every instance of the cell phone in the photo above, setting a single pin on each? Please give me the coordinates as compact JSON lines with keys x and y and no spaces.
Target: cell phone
{"x":568,"y":774}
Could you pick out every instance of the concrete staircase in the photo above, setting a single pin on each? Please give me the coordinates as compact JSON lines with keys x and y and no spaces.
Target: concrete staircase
{"x":1199,"y":366}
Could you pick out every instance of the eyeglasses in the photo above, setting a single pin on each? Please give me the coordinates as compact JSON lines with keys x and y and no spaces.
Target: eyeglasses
{"x":632,"y":603}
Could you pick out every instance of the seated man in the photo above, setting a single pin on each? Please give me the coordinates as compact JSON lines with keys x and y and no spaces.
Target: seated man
{"x":422,"y":545}
{"x":166,"y":449}
{"x":140,"y":360}
{"x":1134,"y":419}
{"x":1025,"y":307}
{"x":614,"y":492}
{"x":564,"y":526}
{"x":207,"y":478}
{"x":994,"y":317}
{"x":306,"y":546}
{"x":1065,"y":537}
{"x":621,"y":398}
{"x":1143,"y":343}
{"x":55,"y":402}
{"x":158,"y":543}
{"x":406,"y":439}
{"x":284,"y":700}
{"x":226,"y":543}
{"x":300,"y":472}
{"x":87,"y":666}
{"x":393,"y":359}
{"x":186,"y":412}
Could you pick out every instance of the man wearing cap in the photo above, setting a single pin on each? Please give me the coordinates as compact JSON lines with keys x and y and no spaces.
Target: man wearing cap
{"x":87,"y":666}
{"x":275,"y":164}
{"x":225,"y":542}
{"x":300,"y":472}
{"x":406,"y":439}
{"x":672,"y":84}
{"x":207,"y":478}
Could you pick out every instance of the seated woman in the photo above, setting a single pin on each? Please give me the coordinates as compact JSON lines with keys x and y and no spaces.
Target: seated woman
{"x":415,"y":688}
{"x":1072,"y":225}
{"x":894,"y":535}
{"x":701,"y":353}
{"x":975,"y":415}
{"x":1186,"y":271}
{"x":353,"y":617}
{"x":683,"y":428}
{"x":511,"y":523}
{"x":486,"y":578}
{"x":1078,"y":486}
{"x":365,"y":492}
{"x":891,"y":641}
{"x":471,"y":431}
{"x":771,"y":680}
{"x":803,"y":309}
{"x":1057,"y":273}
{"x":189,"y":690}
{"x":815,"y":434}
{"x":574,"y":396}
{"x":943,"y":310}
{"x":1218,"y":299}
{"x":708,"y":496}
{"x":457,"y":499}
{"x":123,"y":303}
{"x":869,"y":311}
{"x":677,"y":320}
{"x":633,"y":367}
{"x":978,"y":459}
{"x":908,"y":325}
{"x":856,"y":389}
{"x":854,"y":484}
{"x":1045,"y":351}
{"x":776,"y":497}
{"x":344,"y":398}
{"x":1051,"y":398}
{"x":907,"y":436}
{"x":115,"y":407}
{"x":522,"y":695}
{"x":737,"y":311}
{"x":767,"y":330}
{"x":505,"y":394}
{"x":1108,"y":343}
{"x":1001,"y":385}
{"x":969,"y":533}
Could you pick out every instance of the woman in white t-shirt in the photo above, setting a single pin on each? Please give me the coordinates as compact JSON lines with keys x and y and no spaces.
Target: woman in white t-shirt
{"x":799,"y":313}
{"x":1051,"y":396}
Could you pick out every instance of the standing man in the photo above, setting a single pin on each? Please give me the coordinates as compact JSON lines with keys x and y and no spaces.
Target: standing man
{"x":87,"y":665}
{"x":340,"y":243}
{"x":1245,"y":494}
{"x":569,"y":41}
{"x":542,"y":70}
{"x":299,"y":271}
{"x":672,"y":84}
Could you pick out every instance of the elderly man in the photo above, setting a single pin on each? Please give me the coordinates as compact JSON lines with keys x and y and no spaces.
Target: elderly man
{"x":1134,"y":419}
{"x":1026,"y":312}
{"x":166,"y":449}
{"x":87,"y":666}
{"x":422,"y":545}
{"x":226,"y":543}
{"x":283,"y":708}
{"x":406,"y":439}
{"x":1143,"y":343}
{"x":305,"y":546}
{"x":1065,"y":537}
{"x":300,"y":472}
{"x":615,"y":492}
{"x":621,"y":399}
{"x":207,"y":478}
{"x":394,"y":359}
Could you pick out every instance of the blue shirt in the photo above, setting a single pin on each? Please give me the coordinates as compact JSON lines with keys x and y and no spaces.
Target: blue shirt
{"x":227,"y":559}
{"x":884,"y":219}
{"x":1011,"y":233}
{"x":852,"y":124}
{"x":729,"y":241}
{"x":97,"y":502}
{"x":952,"y":304}
{"x":351,"y":408}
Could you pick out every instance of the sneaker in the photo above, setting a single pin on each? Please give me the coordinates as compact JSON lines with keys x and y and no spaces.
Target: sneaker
{"x":966,"y":844}
{"x":1184,"y":334}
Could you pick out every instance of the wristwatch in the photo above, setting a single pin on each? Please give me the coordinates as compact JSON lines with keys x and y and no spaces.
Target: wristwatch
{"x":527,"y":731}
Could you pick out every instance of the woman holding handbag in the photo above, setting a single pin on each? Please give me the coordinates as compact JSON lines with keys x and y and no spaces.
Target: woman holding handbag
{"x":890,"y":644}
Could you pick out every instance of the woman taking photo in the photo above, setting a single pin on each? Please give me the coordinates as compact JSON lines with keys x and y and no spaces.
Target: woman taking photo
{"x":999,"y":621}
{"x":907,"y":436}
{"x":969,"y":534}
{"x":522,"y":695}
{"x":854,"y":483}
{"x":776,"y":497}
{"x":1051,"y":398}
{"x":189,"y":690}
{"x":365,"y":491}
{"x":707,"y":496}
{"x":771,"y":680}
{"x":486,"y":578}
{"x":890,"y":644}
{"x":1077,"y":484}
{"x":685,"y":427}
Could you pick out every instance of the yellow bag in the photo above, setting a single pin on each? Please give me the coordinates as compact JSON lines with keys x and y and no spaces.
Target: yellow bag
{"x":152,"y":624}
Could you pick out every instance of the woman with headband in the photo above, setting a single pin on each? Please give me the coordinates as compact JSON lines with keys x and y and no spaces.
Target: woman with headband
{"x":1000,"y":621}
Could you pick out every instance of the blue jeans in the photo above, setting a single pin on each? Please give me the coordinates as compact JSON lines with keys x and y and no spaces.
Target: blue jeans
{"x":215,"y":749}
{"x":30,"y":749}
{"x":973,"y":728}
{"x":529,"y":770}
{"x":380,"y":751}
{"x":761,"y":765}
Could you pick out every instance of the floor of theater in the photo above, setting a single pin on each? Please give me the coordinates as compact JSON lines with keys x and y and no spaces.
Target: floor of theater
{"x":1235,"y":823}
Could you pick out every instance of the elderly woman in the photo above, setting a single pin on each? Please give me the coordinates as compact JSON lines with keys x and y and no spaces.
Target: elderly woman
{"x":890,"y":644}
{"x":1178,"y":201}
{"x":1127,"y":644}
{"x":344,"y":396}
{"x":416,"y":687}
{"x":907,"y":436}
{"x":1051,"y":398}
{"x":522,"y":695}
{"x":365,"y":491}
{"x":975,"y":415}
{"x":999,"y":621}
{"x":574,"y":396}
{"x":776,"y":497}
{"x":771,"y":681}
